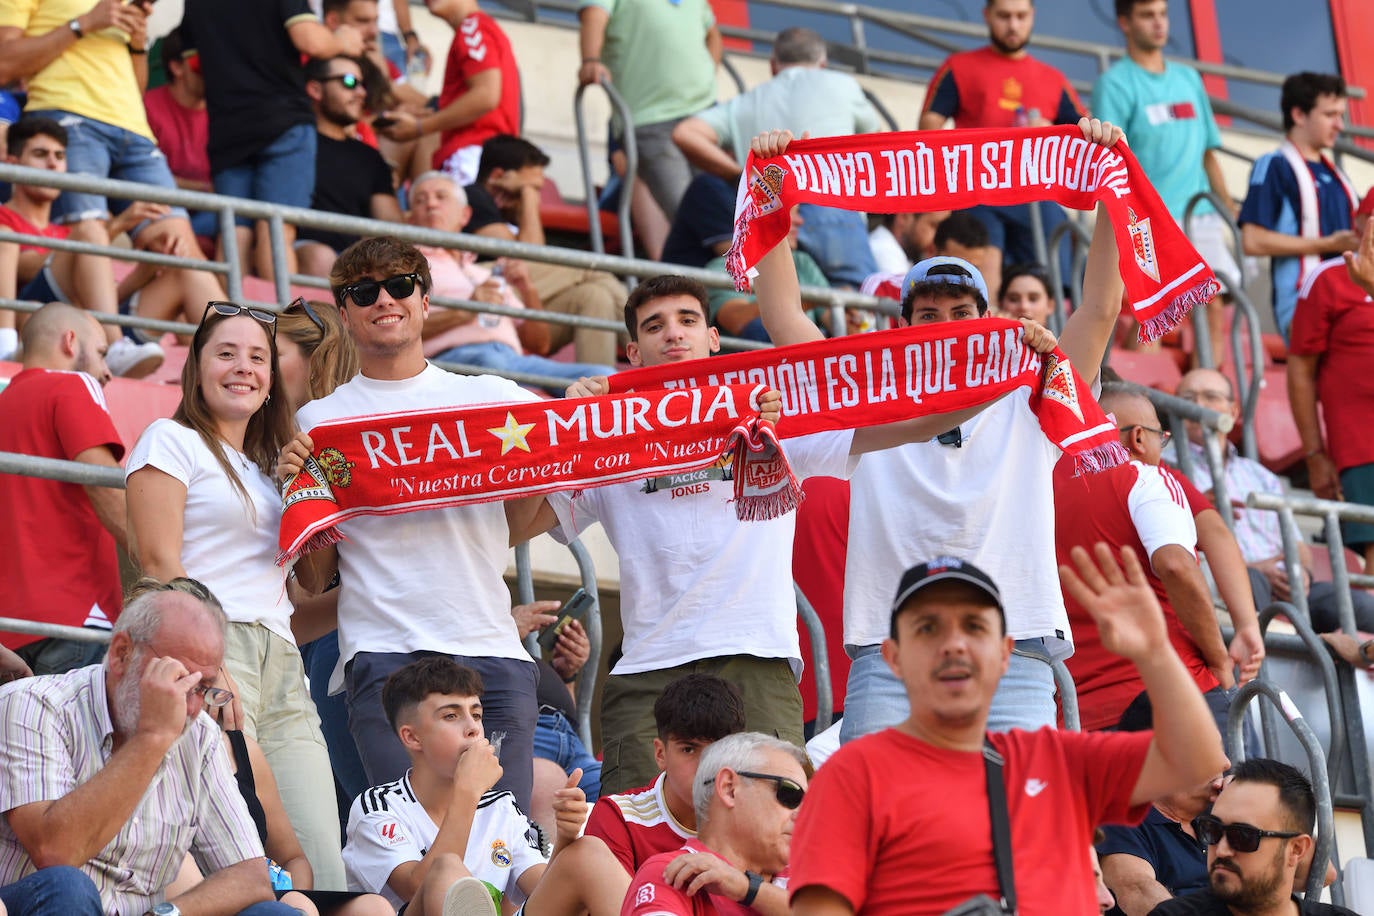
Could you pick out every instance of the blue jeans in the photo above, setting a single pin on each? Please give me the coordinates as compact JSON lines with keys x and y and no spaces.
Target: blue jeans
{"x":97,"y":148}
{"x":282,"y":172}
{"x":838,"y":240}
{"x":270,"y":908}
{"x":58,"y":656}
{"x":320,"y":656}
{"x":56,"y":891}
{"x":875,"y":699}
{"x":499,"y":356}
{"x":555,"y":739}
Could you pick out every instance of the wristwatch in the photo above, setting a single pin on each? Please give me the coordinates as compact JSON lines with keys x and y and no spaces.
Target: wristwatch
{"x":75,"y":26}
{"x":755,"y":882}
{"x":164,"y":909}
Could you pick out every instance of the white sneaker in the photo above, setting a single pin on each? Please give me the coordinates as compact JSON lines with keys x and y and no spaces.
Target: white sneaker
{"x":469,"y":897}
{"x":133,"y":360}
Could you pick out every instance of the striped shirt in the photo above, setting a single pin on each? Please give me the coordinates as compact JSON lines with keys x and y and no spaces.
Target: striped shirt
{"x":56,"y":734}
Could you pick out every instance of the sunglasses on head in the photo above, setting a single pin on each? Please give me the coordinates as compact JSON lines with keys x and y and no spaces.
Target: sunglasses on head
{"x":787,"y":791}
{"x":230,"y":309}
{"x":1240,"y":837}
{"x":365,"y":292}
{"x":309,"y":312}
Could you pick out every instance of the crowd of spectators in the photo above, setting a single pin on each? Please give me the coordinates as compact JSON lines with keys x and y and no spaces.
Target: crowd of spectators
{"x":364,"y":731}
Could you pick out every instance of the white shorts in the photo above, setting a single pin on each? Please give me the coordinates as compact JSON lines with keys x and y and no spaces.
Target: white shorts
{"x":462,"y":165}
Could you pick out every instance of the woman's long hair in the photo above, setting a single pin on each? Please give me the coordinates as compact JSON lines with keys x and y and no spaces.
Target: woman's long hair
{"x":270,"y":428}
{"x":318,"y":330}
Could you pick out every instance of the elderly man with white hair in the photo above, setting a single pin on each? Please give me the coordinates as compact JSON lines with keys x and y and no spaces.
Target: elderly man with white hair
{"x":747,"y":791}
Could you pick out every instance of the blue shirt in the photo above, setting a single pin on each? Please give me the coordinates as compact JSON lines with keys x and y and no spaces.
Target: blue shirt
{"x":1169,"y":123}
{"x":1273,"y":201}
{"x":1179,"y":861}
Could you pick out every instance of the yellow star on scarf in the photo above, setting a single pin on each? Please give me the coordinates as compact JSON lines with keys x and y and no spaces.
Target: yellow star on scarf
{"x":513,"y":434}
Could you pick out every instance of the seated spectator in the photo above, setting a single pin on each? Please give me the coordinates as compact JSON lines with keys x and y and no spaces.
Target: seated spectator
{"x":901,"y":239}
{"x":58,"y":890}
{"x":737,"y":314}
{"x":705,"y":222}
{"x":870,"y":840}
{"x":58,"y":540}
{"x":963,"y":235}
{"x":505,"y":201}
{"x":492,"y":341}
{"x":176,"y":114}
{"x":1257,"y":530}
{"x":746,"y":793}
{"x":395,"y":846}
{"x":651,"y":227}
{"x":1265,"y":817}
{"x":114,"y":767}
{"x":624,"y":830}
{"x":351,"y":178}
{"x":1160,"y":857}
{"x":1025,"y":293}
{"x":480,"y":98}
{"x":39,"y":274}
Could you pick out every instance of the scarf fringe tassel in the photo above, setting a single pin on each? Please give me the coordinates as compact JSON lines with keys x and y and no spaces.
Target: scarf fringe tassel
{"x":327,"y":537}
{"x":1098,"y":459}
{"x":1177,"y":310}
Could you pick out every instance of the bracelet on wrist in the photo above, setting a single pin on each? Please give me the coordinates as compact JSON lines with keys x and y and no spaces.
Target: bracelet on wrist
{"x":1312,"y":453}
{"x":133,"y":50}
{"x":1364,"y":651}
{"x":755,"y":882}
{"x":408,"y":34}
{"x":591,"y":60}
{"x":575,"y":675}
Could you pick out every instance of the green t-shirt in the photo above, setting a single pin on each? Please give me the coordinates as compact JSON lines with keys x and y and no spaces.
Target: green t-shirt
{"x":808,"y":274}
{"x":656,"y":52}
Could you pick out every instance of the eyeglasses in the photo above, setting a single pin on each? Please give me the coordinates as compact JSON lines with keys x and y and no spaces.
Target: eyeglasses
{"x":309,"y":312}
{"x":1164,"y":435}
{"x":788,"y":793}
{"x":1205,"y":394}
{"x":230,"y":309}
{"x":214,"y":697}
{"x":364,"y":292}
{"x":348,"y":80}
{"x":1241,"y":837}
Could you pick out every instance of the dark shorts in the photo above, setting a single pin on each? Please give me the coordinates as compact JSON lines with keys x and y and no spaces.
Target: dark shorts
{"x":1357,"y":484}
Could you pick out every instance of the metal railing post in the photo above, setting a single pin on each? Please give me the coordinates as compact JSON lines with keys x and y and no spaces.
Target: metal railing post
{"x":820,"y":660}
{"x":281,"y":274}
{"x":598,"y":242}
{"x":1068,"y":695}
{"x":586,"y":681}
{"x":229,"y":247}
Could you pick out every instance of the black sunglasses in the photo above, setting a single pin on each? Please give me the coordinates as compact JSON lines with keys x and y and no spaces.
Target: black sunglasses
{"x":1241,"y":837}
{"x":348,"y":79}
{"x":309,"y":312}
{"x":364,"y":292}
{"x":788,"y":792}
{"x":230,"y":309}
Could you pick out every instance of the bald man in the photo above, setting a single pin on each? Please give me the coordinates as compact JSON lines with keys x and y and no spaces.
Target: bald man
{"x":1136,"y":504}
{"x":57,"y":540}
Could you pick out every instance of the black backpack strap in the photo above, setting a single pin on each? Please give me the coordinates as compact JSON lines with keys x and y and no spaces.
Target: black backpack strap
{"x":1001,"y":825}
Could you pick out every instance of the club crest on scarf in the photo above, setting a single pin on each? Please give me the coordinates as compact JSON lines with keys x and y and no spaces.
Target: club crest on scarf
{"x":1059,"y":385}
{"x":767,"y":188}
{"x":1143,"y":244}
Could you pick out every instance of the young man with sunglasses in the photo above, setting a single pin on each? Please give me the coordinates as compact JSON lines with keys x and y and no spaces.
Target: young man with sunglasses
{"x":119,"y":774}
{"x":1138,"y":505}
{"x":426,"y":581}
{"x":746,"y":793}
{"x":1259,"y":841}
{"x":898,"y":822}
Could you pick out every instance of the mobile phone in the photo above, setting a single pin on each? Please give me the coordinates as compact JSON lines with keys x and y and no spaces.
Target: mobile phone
{"x":575,"y":608}
{"x":382,"y":122}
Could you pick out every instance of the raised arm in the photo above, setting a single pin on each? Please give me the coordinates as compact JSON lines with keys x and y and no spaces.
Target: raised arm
{"x":776,"y":287}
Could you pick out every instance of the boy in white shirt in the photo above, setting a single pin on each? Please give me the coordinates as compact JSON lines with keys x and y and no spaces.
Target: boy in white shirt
{"x":439,"y":840}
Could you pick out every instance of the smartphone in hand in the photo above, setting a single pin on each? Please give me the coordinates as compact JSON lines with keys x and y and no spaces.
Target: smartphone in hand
{"x":575,"y":608}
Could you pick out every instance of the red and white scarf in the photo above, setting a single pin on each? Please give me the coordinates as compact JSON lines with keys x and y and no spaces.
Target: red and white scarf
{"x":1310,"y":215}
{"x":917,"y":171}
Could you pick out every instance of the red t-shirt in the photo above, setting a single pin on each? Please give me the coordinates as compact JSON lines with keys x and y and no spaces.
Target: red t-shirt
{"x":16,"y":223}
{"x":981,"y":88}
{"x":637,"y":825}
{"x":650,"y":895}
{"x":1136,"y":505}
{"x":183,"y":134}
{"x":59,"y":561}
{"x":1334,"y":320}
{"x":478,"y":45}
{"x":897,"y":826}
{"x":818,"y":553}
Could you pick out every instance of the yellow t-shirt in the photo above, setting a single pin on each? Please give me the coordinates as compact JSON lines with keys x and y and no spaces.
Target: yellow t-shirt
{"x":93,"y":78}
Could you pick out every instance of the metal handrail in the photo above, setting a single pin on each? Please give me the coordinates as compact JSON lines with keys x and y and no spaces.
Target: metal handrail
{"x":1081,"y":239}
{"x":820,"y":659}
{"x":627,"y":243}
{"x":1068,"y":695}
{"x":1321,"y":786}
{"x":1175,"y":410}
{"x":1301,"y":622}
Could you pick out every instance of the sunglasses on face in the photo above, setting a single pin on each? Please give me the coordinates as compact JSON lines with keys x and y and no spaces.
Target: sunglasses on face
{"x":1240,"y":837}
{"x":230,"y":309}
{"x":364,"y":293}
{"x":348,"y":80}
{"x":788,"y":793}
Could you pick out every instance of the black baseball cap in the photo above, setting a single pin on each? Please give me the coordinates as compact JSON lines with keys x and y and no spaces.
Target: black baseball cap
{"x":946,"y":569}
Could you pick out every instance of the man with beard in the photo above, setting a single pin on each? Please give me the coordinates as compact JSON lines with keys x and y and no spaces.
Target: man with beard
{"x":1001,"y":85}
{"x":1258,"y":835}
{"x":113,"y":769}
{"x":351,"y":177}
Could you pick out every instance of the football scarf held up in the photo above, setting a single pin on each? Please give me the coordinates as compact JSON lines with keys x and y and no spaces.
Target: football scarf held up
{"x":918,"y":171}
{"x":889,"y":376}
{"x":434,"y":459}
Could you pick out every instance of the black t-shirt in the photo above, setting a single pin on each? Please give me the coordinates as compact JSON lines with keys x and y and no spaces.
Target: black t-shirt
{"x":484,"y":209}
{"x":1204,"y":904}
{"x":347,"y":174}
{"x":254,"y":80}
{"x":552,"y":692}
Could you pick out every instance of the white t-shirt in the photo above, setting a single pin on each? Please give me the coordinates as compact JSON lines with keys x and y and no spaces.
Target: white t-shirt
{"x":990,"y":501}
{"x":225,"y":546}
{"x":428,"y":580}
{"x":388,"y":827}
{"x":695,"y":581}
{"x":888,"y":252}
